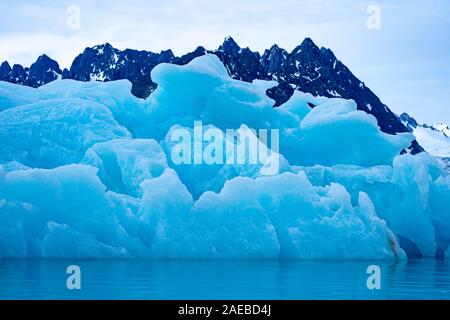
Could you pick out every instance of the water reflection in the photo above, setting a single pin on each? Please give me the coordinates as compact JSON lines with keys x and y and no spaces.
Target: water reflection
{"x":224,"y":279}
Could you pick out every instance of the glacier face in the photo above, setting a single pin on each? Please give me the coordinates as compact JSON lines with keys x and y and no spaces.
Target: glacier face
{"x":87,"y":171}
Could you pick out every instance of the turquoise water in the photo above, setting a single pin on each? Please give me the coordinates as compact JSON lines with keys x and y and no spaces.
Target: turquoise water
{"x":266,"y":279}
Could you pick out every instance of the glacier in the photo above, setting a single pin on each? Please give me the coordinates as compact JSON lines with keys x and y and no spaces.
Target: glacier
{"x":87,"y":170}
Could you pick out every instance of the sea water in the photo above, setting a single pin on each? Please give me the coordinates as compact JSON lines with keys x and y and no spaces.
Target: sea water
{"x":224,"y":279}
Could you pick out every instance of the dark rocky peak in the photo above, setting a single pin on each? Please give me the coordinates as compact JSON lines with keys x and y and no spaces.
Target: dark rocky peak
{"x":275,"y":51}
{"x":65,"y":74}
{"x":45,"y":62}
{"x":104,"y":49}
{"x":307,"y":49}
{"x":166,"y":56}
{"x":100,"y":63}
{"x":185,"y":59}
{"x":104,"y":52}
{"x":5,"y":70}
{"x":246,"y":52}
{"x":43,"y":71}
{"x":18,"y":74}
{"x":304,"y":62}
{"x":242,"y":64}
{"x":229,"y":46}
{"x":273,"y":59}
{"x":408,"y":121}
{"x":327,"y":55}
{"x":308,"y":45}
{"x":131,"y":55}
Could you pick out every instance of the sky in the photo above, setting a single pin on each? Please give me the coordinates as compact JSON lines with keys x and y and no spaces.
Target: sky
{"x":403,"y":56}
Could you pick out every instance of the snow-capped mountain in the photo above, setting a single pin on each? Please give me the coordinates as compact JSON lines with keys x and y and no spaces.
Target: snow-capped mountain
{"x":43,"y":71}
{"x":435,"y":139}
{"x":307,"y":68}
{"x":442,"y":127}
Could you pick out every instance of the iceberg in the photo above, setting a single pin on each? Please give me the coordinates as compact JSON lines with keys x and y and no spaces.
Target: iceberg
{"x":125,"y":163}
{"x":289,"y":217}
{"x":14,"y":95}
{"x":67,"y":213}
{"x":208,"y":166}
{"x":411,"y":196}
{"x":87,"y":170}
{"x":52,"y":133}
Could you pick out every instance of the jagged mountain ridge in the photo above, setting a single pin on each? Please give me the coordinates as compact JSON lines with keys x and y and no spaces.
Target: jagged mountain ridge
{"x":412,"y":124}
{"x":435,"y":139}
{"x":307,"y":68}
{"x":43,"y":71}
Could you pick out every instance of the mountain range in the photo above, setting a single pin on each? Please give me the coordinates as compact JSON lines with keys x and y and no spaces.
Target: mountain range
{"x":307,"y":68}
{"x":435,"y":139}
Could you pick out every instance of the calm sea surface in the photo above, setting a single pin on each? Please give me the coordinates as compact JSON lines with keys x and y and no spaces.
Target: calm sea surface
{"x":246,"y":279}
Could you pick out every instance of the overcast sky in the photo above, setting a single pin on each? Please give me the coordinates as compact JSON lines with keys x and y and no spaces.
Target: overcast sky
{"x":406,"y":62}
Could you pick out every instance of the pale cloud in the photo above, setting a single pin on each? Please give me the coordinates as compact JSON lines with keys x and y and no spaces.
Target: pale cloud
{"x":158,"y":25}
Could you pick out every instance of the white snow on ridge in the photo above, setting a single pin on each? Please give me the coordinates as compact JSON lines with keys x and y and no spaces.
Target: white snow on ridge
{"x":98,"y":77}
{"x":442,"y":127}
{"x":434,"y":139}
{"x":434,"y":142}
{"x":334,"y":93}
